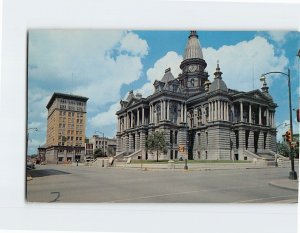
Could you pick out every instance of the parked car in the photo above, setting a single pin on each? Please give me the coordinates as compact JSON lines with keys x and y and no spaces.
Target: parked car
{"x":30,"y":164}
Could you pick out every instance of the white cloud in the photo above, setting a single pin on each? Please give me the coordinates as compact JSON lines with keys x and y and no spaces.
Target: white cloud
{"x":106,"y":118}
{"x":242,"y":64}
{"x":91,"y":63}
{"x":132,"y":43}
{"x":278,"y":36}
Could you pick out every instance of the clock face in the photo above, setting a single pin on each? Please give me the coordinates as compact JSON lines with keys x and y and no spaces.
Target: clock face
{"x":192,"y":68}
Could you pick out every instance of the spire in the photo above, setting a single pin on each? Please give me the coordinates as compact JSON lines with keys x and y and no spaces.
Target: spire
{"x":218,"y":73}
{"x":193,"y":47}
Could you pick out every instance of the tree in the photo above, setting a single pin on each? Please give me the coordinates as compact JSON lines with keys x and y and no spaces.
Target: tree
{"x":156,"y":142}
{"x":283,"y":149}
{"x":98,"y":153}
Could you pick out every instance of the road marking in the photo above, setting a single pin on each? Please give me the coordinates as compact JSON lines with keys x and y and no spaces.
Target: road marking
{"x":265,"y":198}
{"x":55,"y":199}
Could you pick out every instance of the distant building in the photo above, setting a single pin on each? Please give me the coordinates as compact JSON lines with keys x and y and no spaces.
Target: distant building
{"x":108,"y":145}
{"x":89,"y":148}
{"x":42,"y":153}
{"x":204,"y":119}
{"x":66,"y":124}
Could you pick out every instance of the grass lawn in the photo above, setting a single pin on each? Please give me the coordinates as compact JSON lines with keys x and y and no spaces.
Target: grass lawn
{"x":191,"y":161}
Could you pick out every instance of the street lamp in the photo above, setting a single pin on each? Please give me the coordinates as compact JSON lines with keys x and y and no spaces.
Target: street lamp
{"x":102,"y":141}
{"x":293,"y":173}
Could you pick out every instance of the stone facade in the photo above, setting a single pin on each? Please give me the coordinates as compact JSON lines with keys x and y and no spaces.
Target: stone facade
{"x":207,"y":119}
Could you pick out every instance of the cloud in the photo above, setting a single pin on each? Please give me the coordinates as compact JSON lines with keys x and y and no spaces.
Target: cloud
{"x":242,"y":64}
{"x":278,"y":36}
{"x":132,"y":43}
{"x":106,"y":118}
{"x":172,"y":60}
{"x":91,"y":63}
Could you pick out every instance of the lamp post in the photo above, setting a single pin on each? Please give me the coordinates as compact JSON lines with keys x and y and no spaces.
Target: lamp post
{"x":293,"y":173}
{"x":102,"y":141}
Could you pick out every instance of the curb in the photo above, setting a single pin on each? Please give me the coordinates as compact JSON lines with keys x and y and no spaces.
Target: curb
{"x":283,"y":187}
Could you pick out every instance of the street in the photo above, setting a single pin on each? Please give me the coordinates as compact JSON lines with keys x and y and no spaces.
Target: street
{"x":59,"y":183}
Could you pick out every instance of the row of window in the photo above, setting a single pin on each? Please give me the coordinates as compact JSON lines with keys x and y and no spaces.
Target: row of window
{"x":63,"y":113}
{"x":71,"y":102}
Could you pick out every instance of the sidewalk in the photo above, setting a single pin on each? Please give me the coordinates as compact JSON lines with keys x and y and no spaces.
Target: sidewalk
{"x":285,"y":184}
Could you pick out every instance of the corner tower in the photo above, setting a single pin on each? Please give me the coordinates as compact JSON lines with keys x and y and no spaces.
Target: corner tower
{"x":193,"y":67}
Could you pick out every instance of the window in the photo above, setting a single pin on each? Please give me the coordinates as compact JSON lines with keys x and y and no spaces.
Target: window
{"x":192,"y":82}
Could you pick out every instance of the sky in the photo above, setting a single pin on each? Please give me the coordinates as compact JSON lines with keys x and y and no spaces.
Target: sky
{"x":104,"y":65}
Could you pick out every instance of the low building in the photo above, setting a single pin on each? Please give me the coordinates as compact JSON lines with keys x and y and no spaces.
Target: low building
{"x":64,"y":154}
{"x":108,"y":145}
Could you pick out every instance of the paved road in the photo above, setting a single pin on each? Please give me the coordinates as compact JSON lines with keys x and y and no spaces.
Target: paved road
{"x":58,"y":183}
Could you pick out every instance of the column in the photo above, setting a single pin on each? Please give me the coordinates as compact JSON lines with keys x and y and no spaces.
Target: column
{"x":226,"y":112}
{"x":215,"y":110}
{"x":150,"y":113}
{"x":212,"y":111}
{"x":222,"y":110}
{"x":250,"y":114}
{"x":138,"y":118}
{"x":181,"y":111}
{"x":161,"y":110}
{"x":168,"y":110}
{"x":184,"y":113}
{"x":241,"y":111}
{"x":267,"y":118}
{"x":259,"y":115}
{"x":218,"y":110}
{"x":127,"y":120}
{"x":165,"y":112}
{"x":209,"y":111}
{"x":143,"y":115}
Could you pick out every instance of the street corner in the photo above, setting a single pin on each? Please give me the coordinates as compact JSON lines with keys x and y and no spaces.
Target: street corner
{"x":285,"y":184}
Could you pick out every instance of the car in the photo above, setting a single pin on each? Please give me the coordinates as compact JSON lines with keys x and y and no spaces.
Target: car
{"x":30,"y":164}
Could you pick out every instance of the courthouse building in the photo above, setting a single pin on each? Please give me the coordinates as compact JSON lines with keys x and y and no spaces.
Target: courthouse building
{"x":202,"y":116}
{"x":66,"y":124}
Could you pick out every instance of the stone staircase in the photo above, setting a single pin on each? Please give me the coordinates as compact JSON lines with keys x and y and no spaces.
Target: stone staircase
{"x":257,"y":158}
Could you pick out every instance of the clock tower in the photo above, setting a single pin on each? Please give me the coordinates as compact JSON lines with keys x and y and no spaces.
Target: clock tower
{"x":193,"y":67}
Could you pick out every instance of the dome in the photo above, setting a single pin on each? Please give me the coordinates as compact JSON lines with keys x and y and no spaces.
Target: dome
{"x":193,"y":47}
{"x":168,"y":76}
{"x":218,"y":84}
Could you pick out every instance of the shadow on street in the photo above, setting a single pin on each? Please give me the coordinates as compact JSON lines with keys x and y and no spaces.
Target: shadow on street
{"x":46,"y":172}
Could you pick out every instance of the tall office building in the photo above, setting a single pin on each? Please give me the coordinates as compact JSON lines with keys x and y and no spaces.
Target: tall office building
{"x":66,"y":124}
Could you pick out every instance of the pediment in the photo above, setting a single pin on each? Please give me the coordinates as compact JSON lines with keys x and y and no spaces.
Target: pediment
{"x":259,"y":95}
{"x":132,"y":102}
